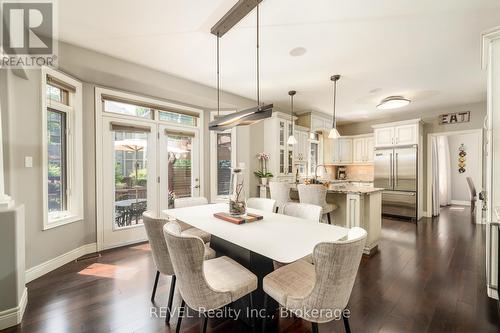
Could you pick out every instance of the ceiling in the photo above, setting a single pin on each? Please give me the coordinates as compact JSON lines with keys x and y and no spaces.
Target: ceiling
{"x":426,"y":50}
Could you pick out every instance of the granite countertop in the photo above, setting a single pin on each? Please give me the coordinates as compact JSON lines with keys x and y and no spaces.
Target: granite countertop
{"x":347,"y":188}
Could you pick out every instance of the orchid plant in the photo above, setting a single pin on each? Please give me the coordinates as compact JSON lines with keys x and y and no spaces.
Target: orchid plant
{"x":262,"y":173}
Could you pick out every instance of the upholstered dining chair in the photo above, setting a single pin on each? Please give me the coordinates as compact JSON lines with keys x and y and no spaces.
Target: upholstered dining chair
{"x":186,"y":228}
{"x":161,"y":257}
{"x":303,"y":210}
{"x":314,"y":292}
{"x":316,"y":194}
{"x":205,"y":285}
{"x":279,"y":191}
{"x":266,"y":205}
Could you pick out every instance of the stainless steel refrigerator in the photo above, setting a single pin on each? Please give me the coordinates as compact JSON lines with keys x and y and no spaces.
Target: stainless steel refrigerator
{"x":396,"y":172}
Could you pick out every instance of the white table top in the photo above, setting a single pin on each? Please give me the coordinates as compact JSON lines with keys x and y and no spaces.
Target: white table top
{"x":279,"y":237}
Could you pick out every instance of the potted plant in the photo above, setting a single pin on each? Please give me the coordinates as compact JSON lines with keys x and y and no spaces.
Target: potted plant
{"x":262,"y":173}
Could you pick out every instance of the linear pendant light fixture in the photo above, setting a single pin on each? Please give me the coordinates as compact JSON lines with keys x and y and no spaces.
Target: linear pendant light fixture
{"x":334,"y":134}
{"x":291,"y":139}
{"x":254,"y":114}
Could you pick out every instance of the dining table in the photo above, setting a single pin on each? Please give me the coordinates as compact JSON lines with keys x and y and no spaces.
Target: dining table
{"x":256,"y":245}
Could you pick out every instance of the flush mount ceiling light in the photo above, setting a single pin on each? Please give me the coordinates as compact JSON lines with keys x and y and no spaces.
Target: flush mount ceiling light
{"x":254,"y":114}
{"x":334,"y":134}
{"x":393,"y":102}
{"x":291,"y":139}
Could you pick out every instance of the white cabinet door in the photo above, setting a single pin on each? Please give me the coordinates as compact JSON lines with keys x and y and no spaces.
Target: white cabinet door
{"x":317,"y":124}
{"x":345,"y":150}
{"x":406,"y":135}
{"x":358,"y":150}
{"x":384,"y":136}
{"x":369,"y":149}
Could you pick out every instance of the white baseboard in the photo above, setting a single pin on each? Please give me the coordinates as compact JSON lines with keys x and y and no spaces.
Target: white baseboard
{"x":460,"y":202}
{"x":48,"y":266}
{"x":13,"y":316}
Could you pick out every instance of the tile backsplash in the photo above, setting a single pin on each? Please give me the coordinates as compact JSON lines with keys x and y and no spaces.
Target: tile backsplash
{"x":354,"y":172}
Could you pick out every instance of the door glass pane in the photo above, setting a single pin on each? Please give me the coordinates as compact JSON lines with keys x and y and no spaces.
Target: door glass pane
{"x":290,"y":161}
{"x":131,"y":177}
{"x":223,"y":163}
{"x":56,"y":146}
{"x":282,"y":161}
{"x":282,"y":133}
{"x":314,"y":156}
{"x":179,"y":154}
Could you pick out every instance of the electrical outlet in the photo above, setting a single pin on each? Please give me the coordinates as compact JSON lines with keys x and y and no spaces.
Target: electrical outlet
{"x":28,"y":161}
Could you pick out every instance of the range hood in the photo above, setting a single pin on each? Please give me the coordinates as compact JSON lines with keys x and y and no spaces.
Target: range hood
{"x":242,"y":118}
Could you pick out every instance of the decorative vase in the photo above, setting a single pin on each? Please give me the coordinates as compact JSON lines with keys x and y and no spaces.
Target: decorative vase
{"x":237,"y":198}
{"x":264,"y":181}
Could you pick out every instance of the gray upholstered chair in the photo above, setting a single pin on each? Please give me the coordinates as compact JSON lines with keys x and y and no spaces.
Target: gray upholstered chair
{"x":316,"y":195}
{"x":266,"y":205}
{"x":312,"y":292}
{"x":186,"y":228}
{"x":161,"y":257}
{"x":205,"y":285}
{"x":303,"y":210}
{"x":280,"y":191}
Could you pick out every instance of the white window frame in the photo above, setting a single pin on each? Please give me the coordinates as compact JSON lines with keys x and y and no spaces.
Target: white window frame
{"x":74,"y":150}
{"x":214,"y":197}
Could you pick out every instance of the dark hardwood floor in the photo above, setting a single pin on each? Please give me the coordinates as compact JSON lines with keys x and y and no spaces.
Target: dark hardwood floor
{"x":428,"y":277}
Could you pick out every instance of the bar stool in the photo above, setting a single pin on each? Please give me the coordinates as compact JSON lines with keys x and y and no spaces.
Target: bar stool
{"x":316,"y":195}
{"x":280,"y":191}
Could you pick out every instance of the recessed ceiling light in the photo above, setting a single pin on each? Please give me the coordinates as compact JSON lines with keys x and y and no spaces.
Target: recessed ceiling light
{"x":393,"y":102}
{"x":298,"y":51}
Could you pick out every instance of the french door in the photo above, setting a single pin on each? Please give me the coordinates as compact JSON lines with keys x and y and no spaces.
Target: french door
{"x":146,"y":166}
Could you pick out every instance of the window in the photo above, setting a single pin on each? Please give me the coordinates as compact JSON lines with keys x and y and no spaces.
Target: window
{"x":222,"y":157}
{"x":127,"y":109}
{"x":177,"y":118}
{"x":62,"y":149}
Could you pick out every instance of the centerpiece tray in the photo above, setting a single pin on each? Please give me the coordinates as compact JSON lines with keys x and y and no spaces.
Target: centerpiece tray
{"x":248,"y":218}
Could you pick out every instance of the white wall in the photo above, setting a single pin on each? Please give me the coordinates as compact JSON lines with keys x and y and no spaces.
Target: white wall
{"x":472,"y":143}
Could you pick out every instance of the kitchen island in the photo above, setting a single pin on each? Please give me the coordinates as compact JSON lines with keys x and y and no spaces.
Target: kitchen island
{"x":357,"y":206}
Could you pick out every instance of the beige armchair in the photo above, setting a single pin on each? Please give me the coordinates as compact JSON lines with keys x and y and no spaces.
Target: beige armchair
{"x":316,"y":292}
{"x":161,"y":257}
{"x":205,"y":285}
{"x":186,"y":228}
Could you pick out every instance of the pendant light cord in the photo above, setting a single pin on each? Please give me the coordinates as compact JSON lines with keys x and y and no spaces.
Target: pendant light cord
{"x":334,"y":125}
{"x":218,"y":78}
{"x":291,"y":116}
{"x":258,"y":62}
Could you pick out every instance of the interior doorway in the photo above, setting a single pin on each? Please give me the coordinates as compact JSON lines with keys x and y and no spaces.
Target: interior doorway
{"x":455,"y":172}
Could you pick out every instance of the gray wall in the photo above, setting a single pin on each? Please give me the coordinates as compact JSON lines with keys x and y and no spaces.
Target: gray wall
{"x":431,"y":125}
{"x":459,"y":187}
{"x":21,"y":114}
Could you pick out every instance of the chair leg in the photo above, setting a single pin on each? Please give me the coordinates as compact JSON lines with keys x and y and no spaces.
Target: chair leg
{"x":154,"y":286}
{"x":346,"y":324}
{"x":203,"y":327}
{"x":170,"y":299}
{"x":181,"y":314}
{"x":251,"y":312}
{"x":264,"y":321}
{"x":329,"y":218}
{"x":315,"y":328}
{"x":276,"y":210}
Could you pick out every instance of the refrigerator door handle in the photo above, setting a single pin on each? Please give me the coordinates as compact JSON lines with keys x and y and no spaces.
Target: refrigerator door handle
{"x":397,"y":171}
{"x":391,"y":173}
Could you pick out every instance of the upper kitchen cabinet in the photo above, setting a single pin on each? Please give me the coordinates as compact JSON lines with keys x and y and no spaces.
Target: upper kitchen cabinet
{"x":403,"y":133}
{"x":341,"y":151}
{"x":315,"y":121}
{"x":362,"y":149}
{"x":277,"y":129}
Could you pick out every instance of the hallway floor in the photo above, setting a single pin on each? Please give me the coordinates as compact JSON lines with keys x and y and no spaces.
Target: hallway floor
{"x":428,"y":277}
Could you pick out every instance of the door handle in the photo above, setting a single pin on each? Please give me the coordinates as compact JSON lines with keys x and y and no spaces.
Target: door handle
{"x":390,"y":171}
{"x":397,"y":169}
{"x":196,"y":186}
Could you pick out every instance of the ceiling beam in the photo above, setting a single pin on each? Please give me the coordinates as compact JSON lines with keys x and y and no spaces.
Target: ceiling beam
{"x":233,"y":16}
